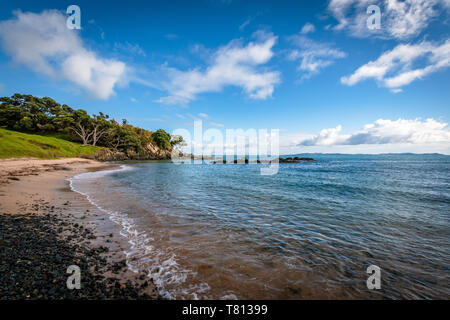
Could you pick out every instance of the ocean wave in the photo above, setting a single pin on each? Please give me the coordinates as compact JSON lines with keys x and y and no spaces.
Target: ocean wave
{"x":160,"y":265}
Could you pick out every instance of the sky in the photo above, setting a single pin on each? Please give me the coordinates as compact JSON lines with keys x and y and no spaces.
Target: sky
{"x":315,"y":70}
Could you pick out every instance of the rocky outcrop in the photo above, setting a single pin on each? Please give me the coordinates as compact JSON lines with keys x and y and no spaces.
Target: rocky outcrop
{"x":151,"y":152}
{"x":280,"y":160}
{"x":295,"y":160}
{"x":110,"y":155}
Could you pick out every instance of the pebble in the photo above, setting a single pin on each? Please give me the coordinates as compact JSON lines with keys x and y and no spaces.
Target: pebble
{"x":34,"y":260}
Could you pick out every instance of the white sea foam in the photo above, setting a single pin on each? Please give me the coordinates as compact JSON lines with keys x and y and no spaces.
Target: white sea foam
{"x":141,"y":255}
{"x":229,"y":297}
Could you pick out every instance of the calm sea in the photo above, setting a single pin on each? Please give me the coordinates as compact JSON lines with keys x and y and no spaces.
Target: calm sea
{"x":310,"y":231}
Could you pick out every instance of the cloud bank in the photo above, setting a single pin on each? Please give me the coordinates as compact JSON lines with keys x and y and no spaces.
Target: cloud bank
{"x":382,"y":132}
{"x":43,"y":43}
{"x":400,"y":19}
{"x":234,"y":64}
{"x":395,"y":69}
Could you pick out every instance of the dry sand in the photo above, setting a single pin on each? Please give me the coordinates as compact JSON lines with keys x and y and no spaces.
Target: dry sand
{"x":25,"y":180}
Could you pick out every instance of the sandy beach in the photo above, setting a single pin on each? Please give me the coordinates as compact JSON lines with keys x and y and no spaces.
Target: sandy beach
{"x":35,"y":199}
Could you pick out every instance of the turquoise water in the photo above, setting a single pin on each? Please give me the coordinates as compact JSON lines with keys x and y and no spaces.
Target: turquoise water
{"x":310,"y":231}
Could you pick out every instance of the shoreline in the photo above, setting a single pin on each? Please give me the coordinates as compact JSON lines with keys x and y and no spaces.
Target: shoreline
{"x":36,"y":195}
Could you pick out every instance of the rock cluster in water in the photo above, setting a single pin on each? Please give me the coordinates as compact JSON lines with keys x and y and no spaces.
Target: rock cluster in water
{"x":280,"y":160}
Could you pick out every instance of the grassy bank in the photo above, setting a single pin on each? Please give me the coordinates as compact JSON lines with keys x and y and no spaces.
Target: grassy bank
{"x":21,"y":145}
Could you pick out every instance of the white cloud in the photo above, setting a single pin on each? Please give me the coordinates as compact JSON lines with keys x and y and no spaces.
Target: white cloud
{"x":133,"y":49}
{"x":232,"y":65}
{"x":97,"y":76}
{"x":400,"y":19}
{"x":203,"y":115}
{"x":314,"y":56}
{"x":43,"y":43}
{"x":326,"y":137}
{"x":395,"y":69}
{"x":308,"y":28}
{"x":382,"y":132}
{"x":134,"y":100}
{"x":217,"y":124}
{"x":244,"y":24}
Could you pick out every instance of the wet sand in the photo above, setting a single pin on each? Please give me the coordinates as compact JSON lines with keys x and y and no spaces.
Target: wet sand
{"x":35,"y":197}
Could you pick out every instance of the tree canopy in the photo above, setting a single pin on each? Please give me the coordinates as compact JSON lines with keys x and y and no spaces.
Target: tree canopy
{"x":45,"y":116}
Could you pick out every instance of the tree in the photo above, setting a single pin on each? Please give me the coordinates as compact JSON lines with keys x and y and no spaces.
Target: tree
{"x":177,"y":140}
{"x":27,"y":113}
{"x":114,"y":137}
{"x":80,"y":123}
{"x":162,"y":139}
{"x":45,"y":116}
{"x":10,"y":115}
{"x":100,"y":126}
{"x":122,"y":137}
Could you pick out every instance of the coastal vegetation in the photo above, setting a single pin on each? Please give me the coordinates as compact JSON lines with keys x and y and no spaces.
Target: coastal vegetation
{"x":58,"y":124}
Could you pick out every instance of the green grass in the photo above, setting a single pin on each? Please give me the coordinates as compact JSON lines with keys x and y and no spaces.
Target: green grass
{"x":22,"y":145}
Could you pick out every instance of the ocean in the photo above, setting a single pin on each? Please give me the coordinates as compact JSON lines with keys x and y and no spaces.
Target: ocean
{"x":214,"y":231}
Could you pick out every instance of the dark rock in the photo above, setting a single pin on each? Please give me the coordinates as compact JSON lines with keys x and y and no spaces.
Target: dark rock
{"x":34,"y":260}
{"x":295,"y":160}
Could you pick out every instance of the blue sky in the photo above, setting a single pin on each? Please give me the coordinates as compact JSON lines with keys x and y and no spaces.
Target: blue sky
{"x":310,"y":68}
